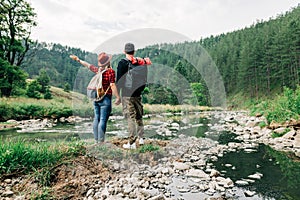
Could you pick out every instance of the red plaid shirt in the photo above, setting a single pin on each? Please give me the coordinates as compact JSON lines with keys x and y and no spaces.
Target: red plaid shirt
{"x":108,"y":77}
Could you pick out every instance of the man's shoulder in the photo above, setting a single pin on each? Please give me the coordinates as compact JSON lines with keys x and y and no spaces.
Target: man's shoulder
{"x":123,"y":62}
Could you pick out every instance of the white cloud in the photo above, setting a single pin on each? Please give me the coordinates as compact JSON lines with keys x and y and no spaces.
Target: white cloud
{"x":87,"y":24}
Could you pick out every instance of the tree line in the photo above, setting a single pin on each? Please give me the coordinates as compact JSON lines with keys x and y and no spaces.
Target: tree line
{"x":256,"y":61}
{"x":259,"y":60}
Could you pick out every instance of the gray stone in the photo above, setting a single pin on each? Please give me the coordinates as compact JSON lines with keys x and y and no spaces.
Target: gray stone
{"x":8,"y":193}
{"x":153,"y":192}
{"x":280,"y":130}
{"x":19,"y":197}
{"x":181,"y":166}
{"x":251,"y":124}
{"x":158,"y":197}
{"x":90,"y":198}
{"x":214,"y":173}
{"x":289,"y":135}
{"x":183,"y":190}
{"x":220,"y":188}
{"x":198,"y":173}
{"x":127,"y":189}
{"x":8,"y":181}
{"x":255,"y":176}
{"x":296,"y":143}
{"x":256,"y":130}
{"x":240,"y":182}
{"x":228,"y":165}
{"x":90,"y":192}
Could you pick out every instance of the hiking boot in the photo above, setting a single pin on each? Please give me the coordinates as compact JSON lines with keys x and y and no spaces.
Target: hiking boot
{"x":129,"y":146}
{"x":141,"y":141}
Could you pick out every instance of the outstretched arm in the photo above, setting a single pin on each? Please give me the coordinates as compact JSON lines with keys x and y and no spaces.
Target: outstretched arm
{"x":82,"y":62}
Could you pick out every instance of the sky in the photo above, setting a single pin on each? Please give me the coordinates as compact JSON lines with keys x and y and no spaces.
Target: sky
{"x":92,"y":25}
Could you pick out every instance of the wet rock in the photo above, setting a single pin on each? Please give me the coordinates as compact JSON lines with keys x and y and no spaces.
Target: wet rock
{"x":249,"y":193}
{"x":249,"y":150}
{"x":226,"y":182}
{"x":297,"y":154}
{"x":214,"y":173}
{"x":228,"y":165}
{"x":256,"y":176}
{"x":241,"y":182}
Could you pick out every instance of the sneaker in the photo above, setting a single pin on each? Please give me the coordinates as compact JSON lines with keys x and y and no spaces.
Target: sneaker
{"x":141,"y":141}
{"x":133,"y":146}
{"x":128,"y":146}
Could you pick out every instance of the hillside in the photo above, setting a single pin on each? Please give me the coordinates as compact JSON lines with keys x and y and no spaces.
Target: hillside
{"x":254,"y":62}
{"x":62,"y":104}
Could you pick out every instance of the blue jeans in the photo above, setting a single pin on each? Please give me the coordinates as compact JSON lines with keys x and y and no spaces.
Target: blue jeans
{"x":102,"y":110}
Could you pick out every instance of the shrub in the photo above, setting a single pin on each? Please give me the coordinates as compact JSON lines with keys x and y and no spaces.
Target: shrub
{"x":282,"y":108}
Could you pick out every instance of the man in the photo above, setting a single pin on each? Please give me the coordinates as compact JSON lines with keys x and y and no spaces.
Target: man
{"x":131,"y":97}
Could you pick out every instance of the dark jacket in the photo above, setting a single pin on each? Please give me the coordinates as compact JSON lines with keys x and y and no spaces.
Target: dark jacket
{"x":121,"y":71}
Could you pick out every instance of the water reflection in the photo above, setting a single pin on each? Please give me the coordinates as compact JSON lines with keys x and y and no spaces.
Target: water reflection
{"x":281,"y":176}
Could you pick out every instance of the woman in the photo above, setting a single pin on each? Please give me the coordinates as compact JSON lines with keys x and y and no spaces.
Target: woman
{"x":102,"y":108}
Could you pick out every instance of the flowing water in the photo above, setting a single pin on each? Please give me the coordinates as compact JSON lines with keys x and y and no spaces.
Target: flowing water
{"x":280,"y":174}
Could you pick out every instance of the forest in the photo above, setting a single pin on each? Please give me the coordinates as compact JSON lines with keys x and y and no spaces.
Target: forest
{"x":256,"y":61}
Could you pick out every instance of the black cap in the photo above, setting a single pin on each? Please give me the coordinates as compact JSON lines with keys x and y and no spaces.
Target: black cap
{"x":129,"y":47}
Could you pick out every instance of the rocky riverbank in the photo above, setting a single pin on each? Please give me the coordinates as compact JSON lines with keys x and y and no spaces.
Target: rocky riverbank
{"x":37,"y":124}
{"x":182,"y":169}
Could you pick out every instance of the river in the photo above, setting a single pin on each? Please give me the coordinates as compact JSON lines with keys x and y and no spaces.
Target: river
{"x":279,"y":178}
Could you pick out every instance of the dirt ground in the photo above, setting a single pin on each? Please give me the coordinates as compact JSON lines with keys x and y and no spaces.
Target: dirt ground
{"x":72,"y":178}
{"x":68,"y":180}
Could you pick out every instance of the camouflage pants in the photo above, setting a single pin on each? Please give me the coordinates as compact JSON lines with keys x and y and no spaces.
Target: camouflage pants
{"x":133,"y":112}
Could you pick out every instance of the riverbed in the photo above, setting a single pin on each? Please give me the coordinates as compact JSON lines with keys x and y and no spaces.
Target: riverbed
{"x":256,"y":170}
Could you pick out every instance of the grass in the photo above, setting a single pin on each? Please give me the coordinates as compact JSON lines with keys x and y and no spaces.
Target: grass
{"x":280,"y":109}
{"x":275,"y":135}
{"x":21,"y":156}
{"x":148,"y":148}
{"x":63,"y":104}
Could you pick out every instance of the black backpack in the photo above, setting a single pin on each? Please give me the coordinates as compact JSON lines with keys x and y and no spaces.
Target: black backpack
{"x":136,"y":77}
